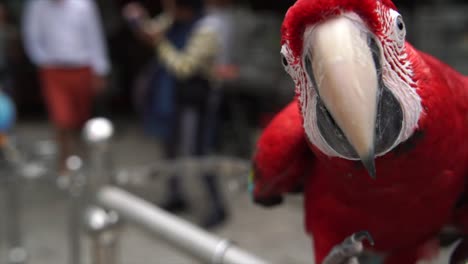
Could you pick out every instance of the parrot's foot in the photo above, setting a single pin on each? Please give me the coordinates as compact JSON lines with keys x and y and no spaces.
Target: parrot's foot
{"x":348,"y":251}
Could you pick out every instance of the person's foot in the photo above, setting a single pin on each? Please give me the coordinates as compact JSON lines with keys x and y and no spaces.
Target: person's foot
{"x":214,"y":219}
{"x":174,"y":204}
{"x":174,"y":200}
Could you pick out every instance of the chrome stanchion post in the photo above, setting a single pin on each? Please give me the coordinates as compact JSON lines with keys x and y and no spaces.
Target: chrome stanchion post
{"x":97,"y":134}
{"x":102,"y":226}
{"x":102,"y":229}
{"x":77,"y":187}
{"x":16,"y":253}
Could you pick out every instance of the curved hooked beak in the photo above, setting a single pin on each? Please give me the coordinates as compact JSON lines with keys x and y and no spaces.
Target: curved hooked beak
{"x":347,"y":82}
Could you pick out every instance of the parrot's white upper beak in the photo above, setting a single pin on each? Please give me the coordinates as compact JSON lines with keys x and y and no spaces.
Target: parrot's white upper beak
{"x":346,"y":81}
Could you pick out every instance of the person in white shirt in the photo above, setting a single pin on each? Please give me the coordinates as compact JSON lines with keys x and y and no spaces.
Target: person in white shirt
{"x":64,"y":39}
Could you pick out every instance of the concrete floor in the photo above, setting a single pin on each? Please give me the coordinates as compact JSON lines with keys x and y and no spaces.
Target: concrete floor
{"x":276,"y":234}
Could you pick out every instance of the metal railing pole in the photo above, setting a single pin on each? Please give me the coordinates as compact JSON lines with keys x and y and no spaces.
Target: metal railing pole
{"x":102,"y":225}
{"x":173,"y":230}
{"x":16,"y":253}
{"x":103,"y":231}
{"x":76,"y":191}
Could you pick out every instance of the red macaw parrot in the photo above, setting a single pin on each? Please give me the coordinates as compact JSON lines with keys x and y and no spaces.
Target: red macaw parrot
{"x":367,"y":104}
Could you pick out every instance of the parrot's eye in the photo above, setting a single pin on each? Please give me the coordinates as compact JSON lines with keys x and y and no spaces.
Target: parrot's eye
{"x":400,"y":24}
{"x":399,"y":31}
{"x":284,"y":61}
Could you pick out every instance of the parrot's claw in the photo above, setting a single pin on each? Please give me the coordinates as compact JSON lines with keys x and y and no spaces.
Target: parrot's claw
{"x":348,"y":251}
{"x":361,"y":236}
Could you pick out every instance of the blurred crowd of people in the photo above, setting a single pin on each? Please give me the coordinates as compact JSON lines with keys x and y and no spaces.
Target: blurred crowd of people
{"x":191,"y":41}
{"x":195,"y":77}
{"x":212,"y":67}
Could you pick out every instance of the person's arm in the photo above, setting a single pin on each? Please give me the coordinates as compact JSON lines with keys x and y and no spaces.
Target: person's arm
{"x":200,"y":51}
{"x":32,"y":33}
{"x":96,"y":41}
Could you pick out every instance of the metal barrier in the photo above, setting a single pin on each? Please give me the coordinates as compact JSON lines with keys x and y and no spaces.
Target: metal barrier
{"x":173,"y":230}
{"x":105,"y":204}
{"x":102,"y":225}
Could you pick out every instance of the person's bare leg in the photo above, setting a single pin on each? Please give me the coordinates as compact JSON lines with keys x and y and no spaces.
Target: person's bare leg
{"x":68,"y":144}
{"x":64,"y":145}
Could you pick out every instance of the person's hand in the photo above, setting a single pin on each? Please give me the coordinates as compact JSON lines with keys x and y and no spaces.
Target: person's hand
{"x":152,"y":33}
{"x":99,"y":84}
{"x":134,"y":13}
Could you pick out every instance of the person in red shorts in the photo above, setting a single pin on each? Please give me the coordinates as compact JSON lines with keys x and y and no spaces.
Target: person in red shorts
{"x":64,"y":39}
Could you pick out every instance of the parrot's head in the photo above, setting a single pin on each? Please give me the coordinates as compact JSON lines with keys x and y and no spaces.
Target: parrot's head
{"x":353,"y":75}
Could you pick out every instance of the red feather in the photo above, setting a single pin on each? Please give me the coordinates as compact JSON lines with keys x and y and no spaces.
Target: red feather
{"x":282,"y":155}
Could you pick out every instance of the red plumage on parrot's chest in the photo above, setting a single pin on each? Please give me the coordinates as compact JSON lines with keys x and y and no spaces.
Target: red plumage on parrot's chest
{"x":409,"y":202}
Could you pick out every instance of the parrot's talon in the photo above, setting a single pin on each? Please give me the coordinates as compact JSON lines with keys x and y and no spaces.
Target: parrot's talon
{"x":349,"y":251}
{"x":361,"y":236}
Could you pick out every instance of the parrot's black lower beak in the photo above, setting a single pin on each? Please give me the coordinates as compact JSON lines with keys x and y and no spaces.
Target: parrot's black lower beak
{"x":388,"y":126}
{"x":369,"y":164}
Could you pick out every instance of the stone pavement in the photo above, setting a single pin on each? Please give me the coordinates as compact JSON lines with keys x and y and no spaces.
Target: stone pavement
{"x":273,"y":234}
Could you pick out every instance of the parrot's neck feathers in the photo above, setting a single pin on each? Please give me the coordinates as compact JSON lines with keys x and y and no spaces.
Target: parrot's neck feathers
{"x":398,"y":78}
{"x":307,"y":98}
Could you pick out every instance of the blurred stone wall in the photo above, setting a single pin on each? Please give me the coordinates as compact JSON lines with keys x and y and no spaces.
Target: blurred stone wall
{"x":442,"y":31}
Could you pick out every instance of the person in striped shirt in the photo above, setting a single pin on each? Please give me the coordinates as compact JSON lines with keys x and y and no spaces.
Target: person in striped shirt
{"x":187,"y":47}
